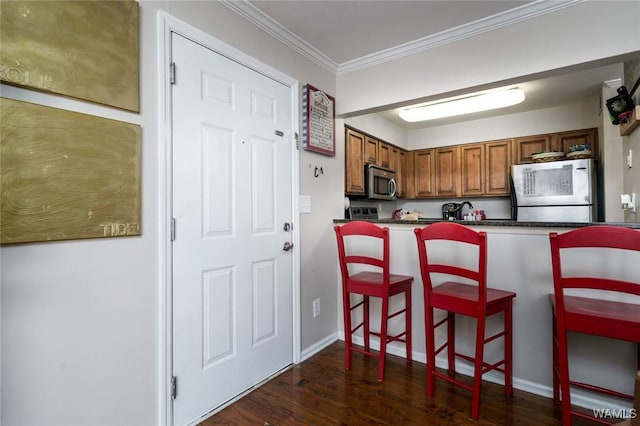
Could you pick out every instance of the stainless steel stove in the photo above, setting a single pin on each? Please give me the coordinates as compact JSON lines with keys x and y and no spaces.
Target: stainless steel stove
{"x":362,"y":213}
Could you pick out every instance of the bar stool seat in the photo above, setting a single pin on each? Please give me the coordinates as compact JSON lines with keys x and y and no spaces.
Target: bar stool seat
{"x":375,"y":282}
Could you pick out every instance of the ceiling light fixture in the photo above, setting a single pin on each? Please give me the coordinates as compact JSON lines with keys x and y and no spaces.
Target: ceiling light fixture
{"x":465,"y":105}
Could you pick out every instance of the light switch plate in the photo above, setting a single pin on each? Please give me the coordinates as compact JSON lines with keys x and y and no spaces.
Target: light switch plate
{"x":305,"y":203}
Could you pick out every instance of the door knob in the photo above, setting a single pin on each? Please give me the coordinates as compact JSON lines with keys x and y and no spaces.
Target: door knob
{"x":287,"y":246}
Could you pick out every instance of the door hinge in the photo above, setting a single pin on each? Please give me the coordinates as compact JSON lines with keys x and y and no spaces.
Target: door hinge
{"x":173,"y":229}
{"x":297,"y":141}
{"x":174,"y":387}
{"x":172,"y":73}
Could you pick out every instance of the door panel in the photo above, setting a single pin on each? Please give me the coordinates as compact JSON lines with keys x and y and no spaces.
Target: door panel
{"x":232,"y":282}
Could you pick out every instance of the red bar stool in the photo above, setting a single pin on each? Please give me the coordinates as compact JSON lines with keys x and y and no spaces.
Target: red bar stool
{"x":374,"y":254}
{"x":590,"y":315}
{"x":460,"y":297}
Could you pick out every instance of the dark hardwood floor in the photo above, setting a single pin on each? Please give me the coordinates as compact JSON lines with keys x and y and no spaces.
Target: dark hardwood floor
{"x":320,"y":391}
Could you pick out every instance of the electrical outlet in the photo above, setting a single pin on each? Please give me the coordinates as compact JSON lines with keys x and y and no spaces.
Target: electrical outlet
{"x":316,"y":307}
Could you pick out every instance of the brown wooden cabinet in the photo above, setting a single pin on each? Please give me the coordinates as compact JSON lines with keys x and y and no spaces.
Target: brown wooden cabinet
{"x":402,"y":173}
{"x":397,"y":163}
{"x":354,"y":162}
{"x":562,"y":141}
{"x":362,"y":149}
{"x":384,"y":155}
{"x":526,"y":146}
{"x":370,"y":153}
{"x":472,"y":169}
{"x":446,"y":171}
{"x":423,"y":173}
{"x":498,"y":167}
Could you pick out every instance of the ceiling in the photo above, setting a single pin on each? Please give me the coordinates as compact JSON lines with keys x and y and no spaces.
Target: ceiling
{"x":347,"y":33}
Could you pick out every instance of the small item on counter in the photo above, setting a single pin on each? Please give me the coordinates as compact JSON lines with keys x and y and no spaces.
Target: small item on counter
{"x":479,"y":215}
{"x":399,"y":213}
{"x":414,"y":215}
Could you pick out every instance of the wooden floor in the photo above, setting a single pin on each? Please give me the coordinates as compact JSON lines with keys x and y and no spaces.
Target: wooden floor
{"x":320,"y":391}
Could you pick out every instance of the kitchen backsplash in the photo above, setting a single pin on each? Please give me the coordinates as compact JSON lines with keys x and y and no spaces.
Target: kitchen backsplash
{"x":494,"y":208}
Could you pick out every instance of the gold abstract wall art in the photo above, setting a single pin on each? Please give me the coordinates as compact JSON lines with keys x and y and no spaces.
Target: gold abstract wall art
{"x":66,"y":175}
{"x":82,"y":49}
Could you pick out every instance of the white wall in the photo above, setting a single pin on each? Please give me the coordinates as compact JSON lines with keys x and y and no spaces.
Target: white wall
{"x":378,"y":126}
{"x":81,"y":321}
{"x":631,"y":176}
{"x":569,"y":117}
{"x":610,"y":165}
{"x":575,"y":35}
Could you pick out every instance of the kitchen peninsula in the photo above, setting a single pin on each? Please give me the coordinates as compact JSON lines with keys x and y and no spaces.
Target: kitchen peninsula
{"x":519,"y":260}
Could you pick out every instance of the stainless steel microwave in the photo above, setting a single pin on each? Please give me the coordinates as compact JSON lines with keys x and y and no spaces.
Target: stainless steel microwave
{"x":380,"y":182}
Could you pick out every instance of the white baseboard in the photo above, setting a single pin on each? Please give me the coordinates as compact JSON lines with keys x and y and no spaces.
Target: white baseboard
{"x":579,"y":397}
{"x":318,"y":346}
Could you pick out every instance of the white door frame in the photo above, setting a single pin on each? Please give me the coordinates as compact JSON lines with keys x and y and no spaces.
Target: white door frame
{"x":166,"y":25}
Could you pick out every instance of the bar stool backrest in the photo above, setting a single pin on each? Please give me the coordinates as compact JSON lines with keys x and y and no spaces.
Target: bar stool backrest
{"x":606,"y":237}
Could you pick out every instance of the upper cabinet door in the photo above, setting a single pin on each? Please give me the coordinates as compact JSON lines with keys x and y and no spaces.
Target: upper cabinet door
{"x":527,"y":146}
{"x":370,"y":150}
{"x":497,"y":167}
{"x":472,"y":170}
{"x":447,"y":166}
{"x":564,"y":140}
{"x":397,"y":163}
{"x":423,"y":173}
{"x":384,"y":155}
{"x":354,"y":162}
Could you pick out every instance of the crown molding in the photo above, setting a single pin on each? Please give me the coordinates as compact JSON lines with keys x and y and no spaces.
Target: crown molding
{"x":264,"y":22}
{"x":500,"y":20}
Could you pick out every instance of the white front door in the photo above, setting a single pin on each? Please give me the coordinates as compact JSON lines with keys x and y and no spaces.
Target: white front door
{"x":232,"y":195}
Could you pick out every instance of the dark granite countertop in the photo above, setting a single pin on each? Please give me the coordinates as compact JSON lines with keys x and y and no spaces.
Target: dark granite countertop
{"x":498,"y":222}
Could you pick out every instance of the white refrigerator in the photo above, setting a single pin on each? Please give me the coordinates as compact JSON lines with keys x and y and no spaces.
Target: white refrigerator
{"x":555,"y":191}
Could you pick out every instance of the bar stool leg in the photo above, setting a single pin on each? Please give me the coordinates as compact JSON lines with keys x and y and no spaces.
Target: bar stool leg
{"x":431,"y":356}
{"x":451,"y":342}
{"x":508,"y":350}
{"x":563,"y":373}
{"x":477,"y":369}
{"x":554,"y":369}
{"x":384,"y":320}
{"x":365,"y":319}
{"x":407,"y":324}
{"x":346,"y":308}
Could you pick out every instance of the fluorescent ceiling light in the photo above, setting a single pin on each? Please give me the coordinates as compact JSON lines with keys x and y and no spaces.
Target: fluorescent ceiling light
{"x":466,"y":105}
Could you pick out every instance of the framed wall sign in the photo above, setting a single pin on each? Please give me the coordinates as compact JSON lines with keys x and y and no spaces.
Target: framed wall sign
{"x":318,"y":123}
